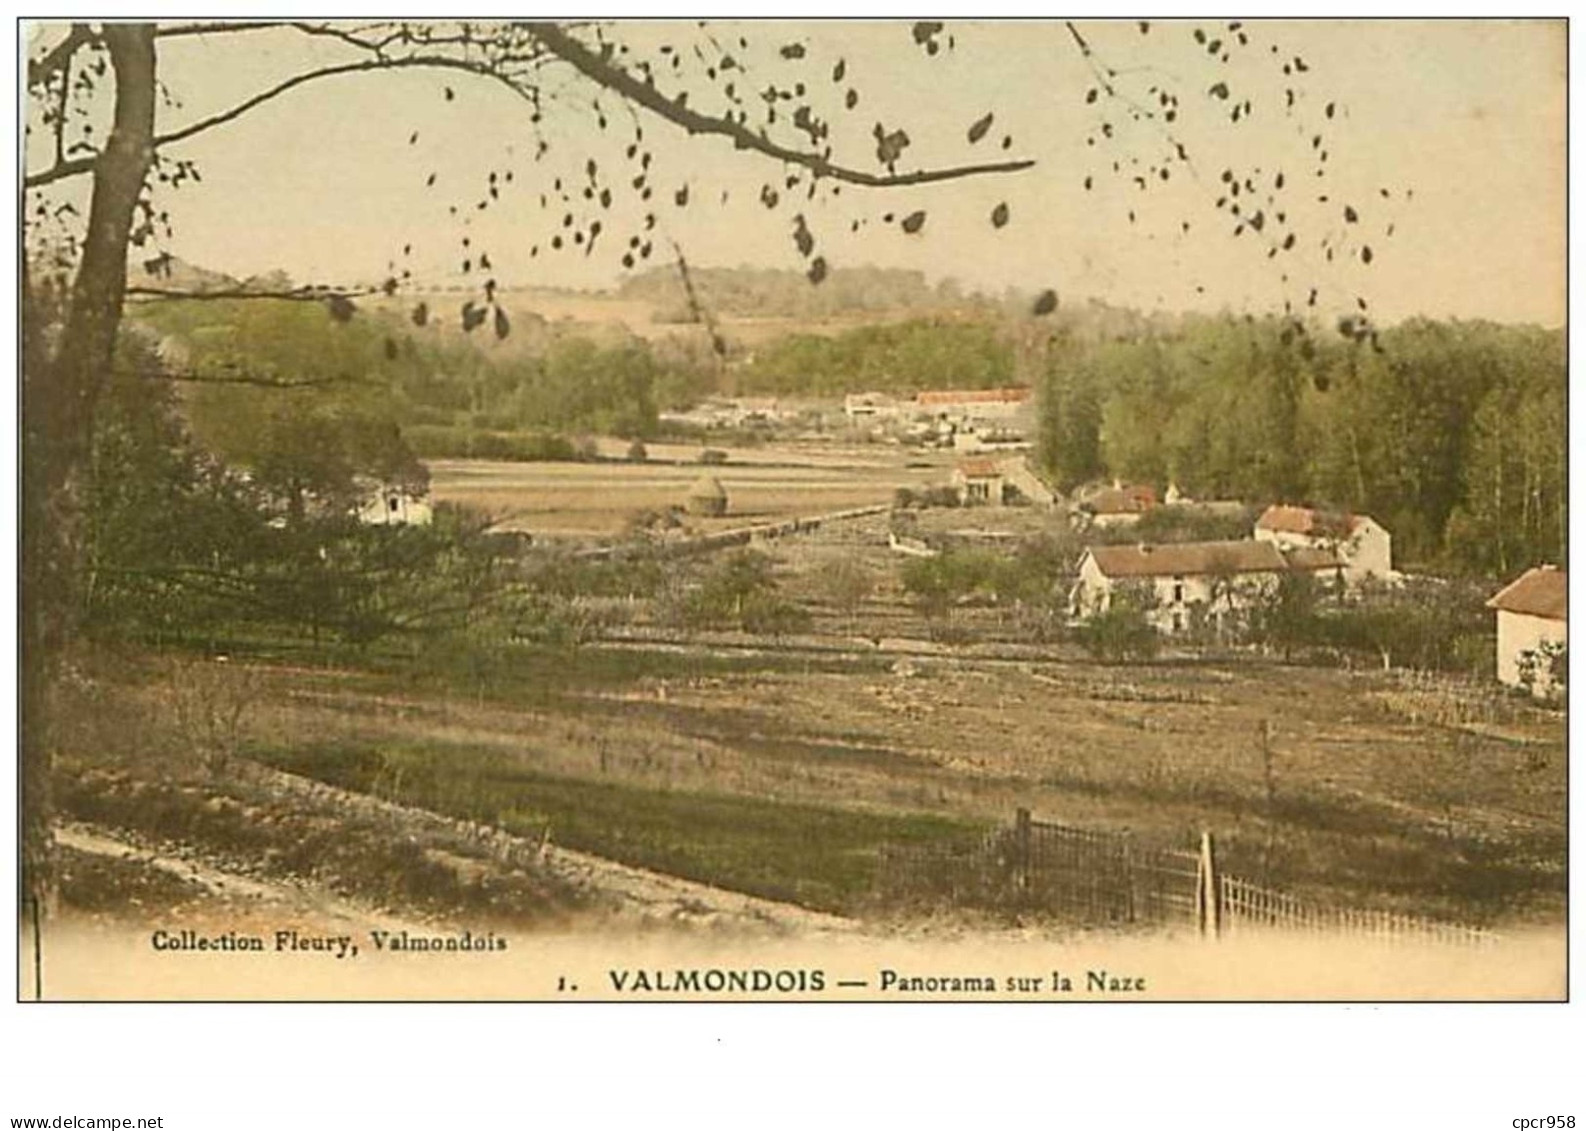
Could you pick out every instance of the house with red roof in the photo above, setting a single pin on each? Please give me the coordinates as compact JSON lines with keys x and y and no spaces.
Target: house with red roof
{"x":979,"y":482}
{"x":1121,"y":504}
{"x":1364,"y":546}
{"x":1186,"y":582}
{"x":1533,"y":628}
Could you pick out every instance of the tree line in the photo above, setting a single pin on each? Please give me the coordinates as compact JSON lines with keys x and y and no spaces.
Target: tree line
{"x":1451,"y":434}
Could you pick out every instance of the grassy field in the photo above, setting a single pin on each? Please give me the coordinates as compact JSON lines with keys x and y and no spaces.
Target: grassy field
{"x":818,"y":856}
{"x":781,"y":774}
{"x":599,"y":499}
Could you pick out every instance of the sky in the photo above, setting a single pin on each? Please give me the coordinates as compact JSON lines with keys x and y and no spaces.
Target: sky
{"x":1446,"y":141}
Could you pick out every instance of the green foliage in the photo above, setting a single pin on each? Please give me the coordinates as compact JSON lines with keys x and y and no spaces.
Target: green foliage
{"x":1123,"y":630}
{"x":762,"y":293}
{"x":551,"y":382}
{"x":1544,"y":670}
{"x":446,"y":441}
{"x":845,"y":583}
{"x":819,"y":856}
{"x":739,"y":591}
{"x":899,"y":357}
{"x":1285,"y":615}
{"x":1419,"y":623}
{"x":941,"y":495}
{"x":1182,"y":524}
{"x":1452,"y":435}
{"x":182,"y":547}
{"x":1032,"y":576}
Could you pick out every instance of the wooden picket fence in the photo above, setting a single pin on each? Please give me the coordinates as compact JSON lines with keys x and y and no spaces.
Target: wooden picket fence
{"x":1105,"y":877}
{"x":1245,"y":907}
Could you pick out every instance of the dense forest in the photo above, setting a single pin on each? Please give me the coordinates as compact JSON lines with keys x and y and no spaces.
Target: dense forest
{"x":1452,"y":434}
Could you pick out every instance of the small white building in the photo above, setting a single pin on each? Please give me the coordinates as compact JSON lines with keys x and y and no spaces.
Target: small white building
{"x":1363,"y":545}
{"x":1190,"y":581}
{"x":979,"y":482}
{"x":1533,"y":625}
{"x":394,"y":506}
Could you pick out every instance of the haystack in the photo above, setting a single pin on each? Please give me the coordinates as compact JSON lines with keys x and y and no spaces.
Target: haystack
{"x":707,"y":497}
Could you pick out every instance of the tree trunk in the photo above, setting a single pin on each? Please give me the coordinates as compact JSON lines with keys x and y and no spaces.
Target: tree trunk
{"x":59,"y":397}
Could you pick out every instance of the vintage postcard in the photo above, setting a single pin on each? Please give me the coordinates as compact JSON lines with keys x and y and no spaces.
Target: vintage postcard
{"x":942,"y":511}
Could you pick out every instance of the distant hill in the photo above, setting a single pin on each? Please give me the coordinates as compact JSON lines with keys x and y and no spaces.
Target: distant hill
{"x":171,"y":273}
{"x":752,"y":292}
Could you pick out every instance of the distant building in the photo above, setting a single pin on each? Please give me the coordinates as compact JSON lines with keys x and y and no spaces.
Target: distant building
{"x":1003,"y":415}
{"x":1365,"y":547}
{"x":1190,"y":580}
{"x":1118,"y":505}
{"x":979,"y":482}
{"x":394,"y":506}
{"x":1533,"y":624}
{"x":870,"y":405}
{"x":755,"y":410}
{"x":968,"y":404}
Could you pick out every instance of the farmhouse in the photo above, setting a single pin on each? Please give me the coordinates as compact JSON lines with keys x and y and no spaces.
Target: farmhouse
{"x":1365,"y":548}
{"x":1533,"y":626}
{"x":1118,"y":505}
{"x":1189,"y":581}
{"x":394,"y":506}
{"x":979,"y":482}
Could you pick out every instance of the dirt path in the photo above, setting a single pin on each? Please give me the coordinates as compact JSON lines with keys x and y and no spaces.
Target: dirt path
{"x":224,"y":893}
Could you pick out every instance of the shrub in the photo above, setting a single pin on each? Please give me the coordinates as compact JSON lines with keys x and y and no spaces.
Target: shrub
{"x":765,"y":614}
{"x":1122,"y":632}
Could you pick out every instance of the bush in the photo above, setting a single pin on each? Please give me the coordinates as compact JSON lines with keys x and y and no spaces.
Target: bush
{"x":430,"y":441}
{"x":765,"y":614}
{"x":637,"y":452}
{"x":713,"y":456}
{"x":1122,"y":632}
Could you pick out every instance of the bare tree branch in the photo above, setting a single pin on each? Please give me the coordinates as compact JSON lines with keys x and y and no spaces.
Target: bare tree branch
{"x":41,"y":70}
{"x":60,"y":171}
{"x":555,"y":40}
{"x":79,"y":165}
{"x":593,"y":66}
{"x":173,"y":31}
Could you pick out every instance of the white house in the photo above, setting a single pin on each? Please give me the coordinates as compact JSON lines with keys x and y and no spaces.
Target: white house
{"x":978,"y":482}
{"x":1364,"y":546}
{"x":392,"y":506}
{"x":1532,"y":623}
{"x":1191,"y":580}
